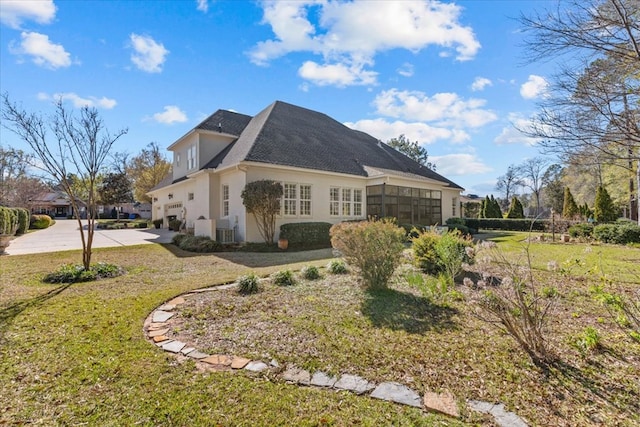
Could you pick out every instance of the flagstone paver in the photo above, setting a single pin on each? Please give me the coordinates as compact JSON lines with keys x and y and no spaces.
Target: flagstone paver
{"x":174,"y":346}
{"x":354,"y":383}
{"x":396,"y":392}
{"x":162,"y":316}
{"x":256,"y":366}
{"x":320,"y":379}
{"x":158,"y":330}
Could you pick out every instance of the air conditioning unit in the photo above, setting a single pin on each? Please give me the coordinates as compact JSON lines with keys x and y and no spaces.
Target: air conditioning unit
{"x":225,"y":235}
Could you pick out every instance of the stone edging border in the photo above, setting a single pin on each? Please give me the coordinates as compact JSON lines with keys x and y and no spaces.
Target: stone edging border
{"x":157,"y":325}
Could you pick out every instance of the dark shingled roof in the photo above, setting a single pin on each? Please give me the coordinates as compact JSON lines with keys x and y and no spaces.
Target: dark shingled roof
{"x":288,"y":135}
{"x":226,"y":122}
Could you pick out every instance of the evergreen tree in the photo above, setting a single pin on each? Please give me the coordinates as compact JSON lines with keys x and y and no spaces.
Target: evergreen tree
{"x":483,"y":209}
{"x":569,"y":207}
{"x":603,"y":210}
{"x":496,"y":211}
{"x":584,"y":211}
{"x":515,"y":209}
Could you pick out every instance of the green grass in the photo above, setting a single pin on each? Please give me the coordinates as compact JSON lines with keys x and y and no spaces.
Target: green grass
{"x":77,"y":354}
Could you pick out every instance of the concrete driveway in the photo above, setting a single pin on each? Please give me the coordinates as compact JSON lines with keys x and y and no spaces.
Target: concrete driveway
{"x":64,"y":235}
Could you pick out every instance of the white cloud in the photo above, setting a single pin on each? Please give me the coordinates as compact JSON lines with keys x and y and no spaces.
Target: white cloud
{"x":445,"y":109}
{"x":203,"y":5}
{"x":406,"y":70}
{"x":511,"y":134}
{"x":14,"y":12}
{"x":343,"y":33}
{"x":148,"y":54}
{"x":339,"y":75}
{"x":421,"y":132}
{"x":78,"y":101}
{"x":171,"y":114}
{"x":480,"y":83}
{"x":459,"y":164}
{"x":42,"y":51}
{"x":535,"y":87}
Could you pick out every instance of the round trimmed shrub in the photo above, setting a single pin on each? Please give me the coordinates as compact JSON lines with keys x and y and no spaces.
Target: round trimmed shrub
{"x":39,"y":222}
{"x":284,"y":278}
{"x":310,"y":272}
{"x":248,"y":284}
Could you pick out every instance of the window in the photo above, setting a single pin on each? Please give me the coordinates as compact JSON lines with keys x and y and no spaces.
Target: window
{"x":454,"y":202}
{"x":305,"y":200}
{"x":345,"y":202}
{"x":191,"y":157}
{"x":290,"y":199}
{"x":189,"y":196}
{"x":357,"y":202}
{"x":334,"y":201}
{"x":408,"y":205}
{"x":225,"y":200}
{"x":177,"y":159}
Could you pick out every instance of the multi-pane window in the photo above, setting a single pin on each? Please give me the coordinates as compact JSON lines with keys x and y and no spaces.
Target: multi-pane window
{"x":225,"y":200}
{"x":191,"y":157}
{"x":334,"y":201}
{"x":290,"y":199}
{"x":296,"y":199}
{"x":189,"y":196}
{"x":357,"y":202}
{"x":346,"y":202}
{"x":454,"y":202}
{"x":177,"y":159}
{"x":305,"y":200}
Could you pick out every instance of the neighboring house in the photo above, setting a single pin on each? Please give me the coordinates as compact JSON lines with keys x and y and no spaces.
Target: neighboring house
{"x":143,"y":210}
{"x":56,"y":204}
{"x":328,"y":171}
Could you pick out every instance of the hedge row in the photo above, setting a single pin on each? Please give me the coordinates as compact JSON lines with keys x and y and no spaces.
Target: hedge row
{"x":306,"y":233}
{"x":13,"y":221}
{"x":510,"y":224}
{"x":619,"y":233}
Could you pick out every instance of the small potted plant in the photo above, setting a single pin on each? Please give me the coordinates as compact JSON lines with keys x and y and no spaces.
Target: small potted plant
{"x":283,"y":242}
{"x":157,"y":223}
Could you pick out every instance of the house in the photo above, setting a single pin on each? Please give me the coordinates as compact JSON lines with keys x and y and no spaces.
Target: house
{"x":328,"y":171}
{"x":56,"y":204}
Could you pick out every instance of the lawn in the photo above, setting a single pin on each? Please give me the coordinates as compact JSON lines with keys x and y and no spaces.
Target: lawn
{"x":77,"y":354}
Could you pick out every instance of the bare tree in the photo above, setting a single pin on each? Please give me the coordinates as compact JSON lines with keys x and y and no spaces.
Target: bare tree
{"x":67,"y":145}
{"x":594,"y":104}
{"x":508,"y":184}
{"x":532,"y":170}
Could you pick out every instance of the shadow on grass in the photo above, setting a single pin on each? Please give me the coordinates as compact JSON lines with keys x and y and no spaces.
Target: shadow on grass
{"x":9,"y":313}
{"x":597,"y":388}
{"x":257,"y":259}
{"x":396,"y":310}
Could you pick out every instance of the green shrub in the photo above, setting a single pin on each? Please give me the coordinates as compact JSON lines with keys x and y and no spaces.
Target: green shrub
{"x":39,"y":222}
{"x":23,"y":220}
{"x":75,"y":273}
{"x":452,"y":251}
{"x":582,"y":230}
{"x":248,"y":284}
{"x":424,"y":254}
{"x":337,"y":266}
{"x":283,"y":278}
{"x":620,"y":233}
{"x":310,"y":272}
{"x":8,"y":221}
{"x":306,"y":233}
{"x":201,"y":244}
{"x":374,"y":247}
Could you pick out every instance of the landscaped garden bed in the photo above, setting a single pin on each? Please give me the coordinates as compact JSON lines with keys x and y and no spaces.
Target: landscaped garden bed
{"x":78,"y":354}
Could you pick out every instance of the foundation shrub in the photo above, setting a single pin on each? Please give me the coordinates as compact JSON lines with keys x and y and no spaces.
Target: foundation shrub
{"x":306,"y":233}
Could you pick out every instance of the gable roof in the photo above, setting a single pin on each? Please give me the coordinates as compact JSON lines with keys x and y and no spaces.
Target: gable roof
{"x":288,"y":135}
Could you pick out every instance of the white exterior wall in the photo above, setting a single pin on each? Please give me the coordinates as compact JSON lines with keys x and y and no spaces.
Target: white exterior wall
{"x":180,"y":170}
{"x":237,"y":218}
{"x":320,"y":184}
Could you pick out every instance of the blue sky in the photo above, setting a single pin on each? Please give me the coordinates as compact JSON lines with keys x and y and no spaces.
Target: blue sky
{"x":450,"y":75}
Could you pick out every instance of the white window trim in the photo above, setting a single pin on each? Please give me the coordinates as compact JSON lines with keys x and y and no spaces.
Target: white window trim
{"x":224,"y":200}
{"x":298,"y":201}
{"x":352,"y":203}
